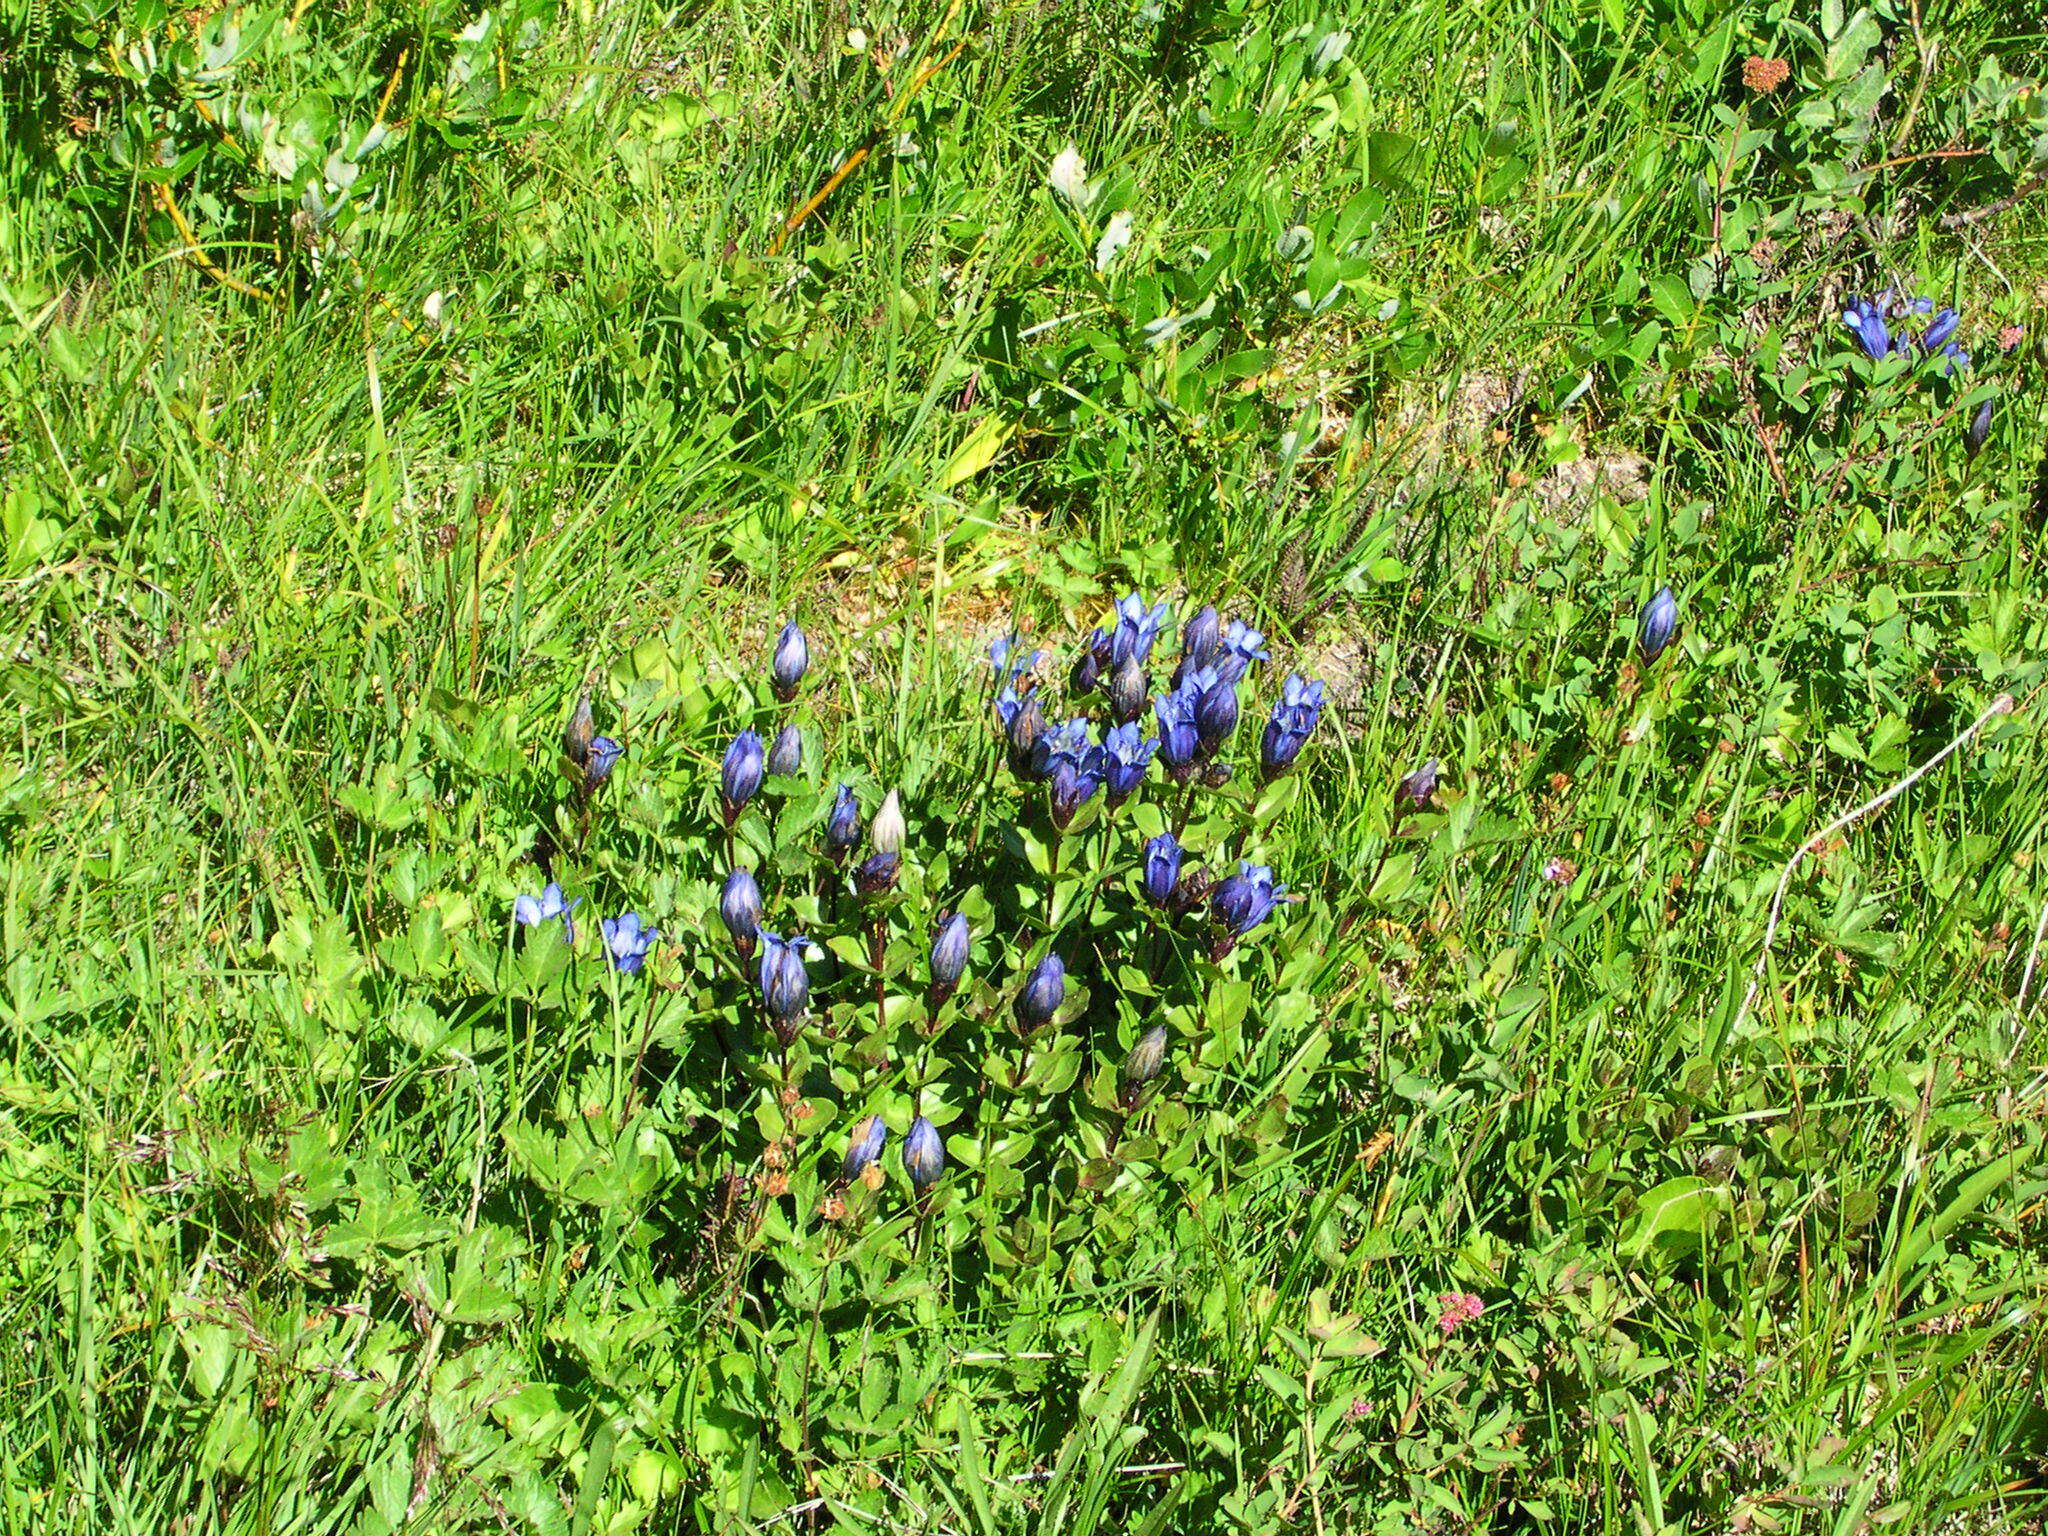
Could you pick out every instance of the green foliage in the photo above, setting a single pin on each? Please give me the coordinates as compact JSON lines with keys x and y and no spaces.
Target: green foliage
{"x":372,"y":380}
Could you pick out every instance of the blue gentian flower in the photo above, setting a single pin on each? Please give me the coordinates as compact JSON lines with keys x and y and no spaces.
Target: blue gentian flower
{"x":786,"y":757}
{"x":1865,"y":320}
{"x":627,"y":943}
{"x":739,"y":905}
{"x":1076,"y":776}
{"x":532,"y":911}
{"x":1658,"y":623}
{"x":739,"y":776}
{"x":1246,"y":899}
{"x":1066,"y":742}
{"x":1240,"y":647}
{"x":1163,"y":855}
{"x":785,"y":984}
{"x":1954,"y":360}
{"x":1294,"y":717}
{"x":791,"y":660}
{"x":1419,"y":785}
{"x":1009,"y":658}
{"x":924,"y":1155}
{"x":1137,"y":627}
{"x":949,"y":952}
{"x":1940,"y":329}
{"x":1179,"y":738}
{"x":842,"y":827}
{"x":1125,"y":757}
{"x":1044,"y":990}
{"x":1979,"y":428}
{"x":870,"y":1135}
{"x":604,"y":756}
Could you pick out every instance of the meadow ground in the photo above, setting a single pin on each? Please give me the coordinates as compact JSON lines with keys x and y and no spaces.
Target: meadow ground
{"x":376,"y":382}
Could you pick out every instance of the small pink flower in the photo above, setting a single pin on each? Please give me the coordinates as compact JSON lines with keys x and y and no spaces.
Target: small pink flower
{"x":1459,"y":1308}
{"x":2010,"y":337}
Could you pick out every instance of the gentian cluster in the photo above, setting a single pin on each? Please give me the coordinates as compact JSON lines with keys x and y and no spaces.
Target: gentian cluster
{"x":1922,"y":328}
{"x":1086,"y":750}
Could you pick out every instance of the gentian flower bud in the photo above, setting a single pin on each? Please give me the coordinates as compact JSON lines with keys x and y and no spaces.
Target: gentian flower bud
{"x":1125,"y":757}
{"x":740,"y":907}
{"x":627,"y":943}
{"x":1093,"y":662}
{"x":1163,"y":857}
{"x":791,"y":660}
{"x":1954,"y":360}
{"x":1865,"y":320}
{"x":785,"y":984}
{"x":1215,"y":718}
{"x":786,"y":757}
{"x":576,"y":736}
{"x":739,"y":776}
{"x":886,"y":830}
{"x":1196,"y":886}
{"x":1940,"y":329}
{"x":1044,"y":990}
{"x":876,"y":875}
{"x":842,"y":827}
{"x":1294,"y":717}
{"x":1127,"y":690}
{"x":1023,"y":724}
{"x":604,"y":756}
{"x":1415,"y":790}
{"x":1658,"y":623}
{"x":864,"y":1147}
{"x":949,"y":953}
{"x":532,"y":911}
{"x":1978,"y":430}
{"x":1143,"y":1064}
{"x":1198,"y":642}
{"x":1246,"y":899}
{"x":924,"y":1154}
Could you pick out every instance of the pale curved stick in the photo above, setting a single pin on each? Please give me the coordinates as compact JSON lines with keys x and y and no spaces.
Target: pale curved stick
{"x":2002,"y":705}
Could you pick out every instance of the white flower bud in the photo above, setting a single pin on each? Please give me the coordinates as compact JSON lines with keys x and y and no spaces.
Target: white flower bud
{"x":885,"y":832}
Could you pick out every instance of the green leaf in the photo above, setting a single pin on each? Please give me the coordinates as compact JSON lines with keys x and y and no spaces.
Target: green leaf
{"x":1677,"y":1213}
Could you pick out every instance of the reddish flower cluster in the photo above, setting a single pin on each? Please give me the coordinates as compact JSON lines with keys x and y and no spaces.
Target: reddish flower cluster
{"x":1458,"y":1309}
